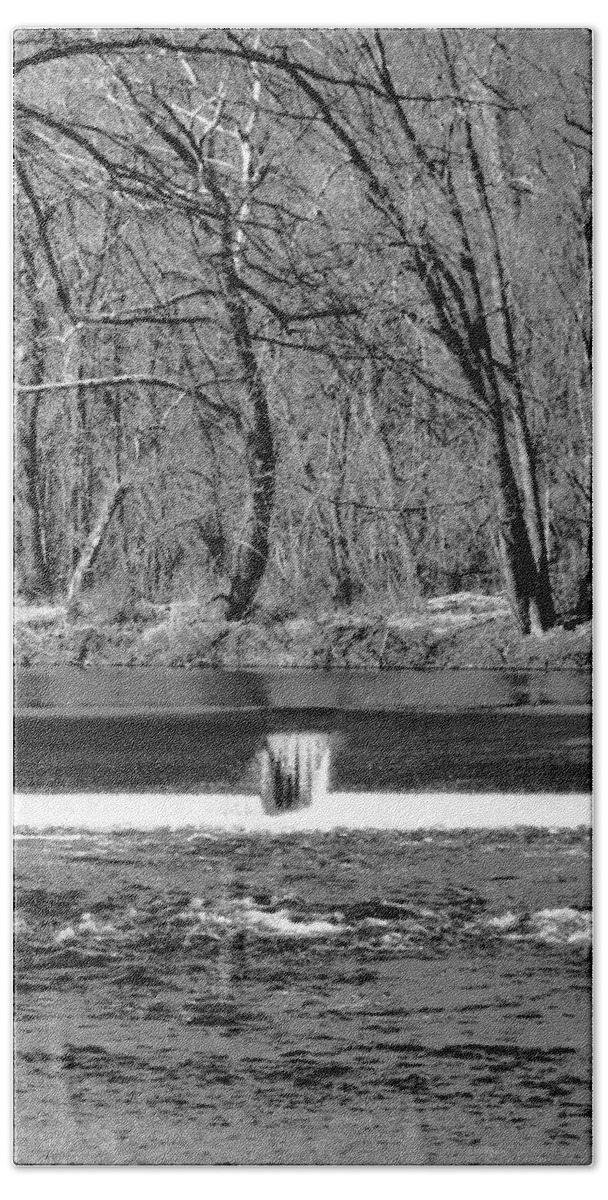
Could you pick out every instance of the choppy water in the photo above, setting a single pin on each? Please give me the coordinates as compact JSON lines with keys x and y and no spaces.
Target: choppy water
{"x":341,"y":996}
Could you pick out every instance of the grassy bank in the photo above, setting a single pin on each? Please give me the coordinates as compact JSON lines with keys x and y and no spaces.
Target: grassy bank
{"x":463,"y":630}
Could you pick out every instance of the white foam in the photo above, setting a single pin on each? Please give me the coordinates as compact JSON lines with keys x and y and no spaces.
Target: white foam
{"x":245,"y":914}
{"x":65,"y":935}
{"x":508,"y":921}
{"x":562,"y":925}
{"x":351,"y":810}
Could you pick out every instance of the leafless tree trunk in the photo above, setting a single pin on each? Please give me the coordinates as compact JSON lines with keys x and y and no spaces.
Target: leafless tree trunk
{"x":252,"y":555}
{"x":95,"y":539}
{"x":29,"y":456}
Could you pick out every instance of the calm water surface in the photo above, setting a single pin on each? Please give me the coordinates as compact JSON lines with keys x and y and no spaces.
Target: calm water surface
{"x":202,"y":731}
{"x":136,"y":689}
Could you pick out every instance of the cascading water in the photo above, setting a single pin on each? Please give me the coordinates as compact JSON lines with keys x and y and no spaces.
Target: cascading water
{"x":295,"y":770}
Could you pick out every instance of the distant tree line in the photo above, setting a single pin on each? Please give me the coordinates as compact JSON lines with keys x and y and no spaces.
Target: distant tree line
{"x":304,"y":316}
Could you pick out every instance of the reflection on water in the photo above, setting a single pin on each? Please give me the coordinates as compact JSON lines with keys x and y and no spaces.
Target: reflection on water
{"x":146,"y":689}
{"x":294,"y":770}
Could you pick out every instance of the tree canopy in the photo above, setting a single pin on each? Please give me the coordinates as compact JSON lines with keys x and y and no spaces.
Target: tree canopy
{"x":304,"y":316}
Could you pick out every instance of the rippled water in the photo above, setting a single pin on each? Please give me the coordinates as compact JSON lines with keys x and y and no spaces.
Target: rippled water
{"x":345,"y":996}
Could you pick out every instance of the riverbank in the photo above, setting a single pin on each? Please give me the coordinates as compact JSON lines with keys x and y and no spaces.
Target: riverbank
{"x":464,"y":630}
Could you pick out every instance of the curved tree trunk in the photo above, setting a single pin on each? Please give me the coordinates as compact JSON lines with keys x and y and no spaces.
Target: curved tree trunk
{"x":260,"y":455}
{"x":95,"y":540}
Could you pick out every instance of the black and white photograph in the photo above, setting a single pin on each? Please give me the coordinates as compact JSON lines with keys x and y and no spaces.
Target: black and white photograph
{"x":302,"y":565}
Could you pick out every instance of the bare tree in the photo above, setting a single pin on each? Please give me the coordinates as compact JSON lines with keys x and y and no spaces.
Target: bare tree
{"x":411,"y":206}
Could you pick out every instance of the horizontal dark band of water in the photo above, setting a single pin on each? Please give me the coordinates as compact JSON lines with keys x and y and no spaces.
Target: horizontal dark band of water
{"x":483,"y":751}
{"x":300,"y":715}
{"x":206,"y":690}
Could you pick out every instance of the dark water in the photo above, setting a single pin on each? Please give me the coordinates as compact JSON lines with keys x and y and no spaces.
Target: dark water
{"x":479,"y":751}
{"x":357,"y":997}
{"x":202,"y":730}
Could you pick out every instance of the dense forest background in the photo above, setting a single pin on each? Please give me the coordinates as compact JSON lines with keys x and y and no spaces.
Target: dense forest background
{"x":303,"y":319}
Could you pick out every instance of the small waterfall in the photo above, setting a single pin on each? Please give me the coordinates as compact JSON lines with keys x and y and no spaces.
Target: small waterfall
{"x":295,"y":770}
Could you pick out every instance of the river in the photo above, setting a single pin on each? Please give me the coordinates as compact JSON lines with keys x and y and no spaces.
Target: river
{"x":398,"y":973}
